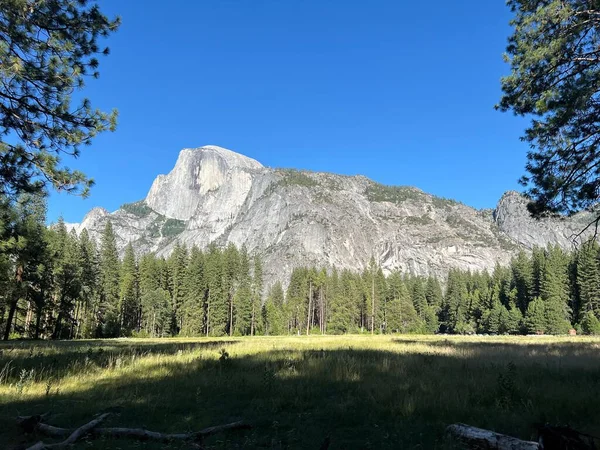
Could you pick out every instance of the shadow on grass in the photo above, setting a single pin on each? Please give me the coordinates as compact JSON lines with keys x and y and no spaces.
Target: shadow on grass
{"x":359,"y":398}
{"x":582,"y":355}
{"x":56,"y":359}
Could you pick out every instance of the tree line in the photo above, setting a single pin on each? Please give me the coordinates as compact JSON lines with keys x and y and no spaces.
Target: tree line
{"x":56,"y":284}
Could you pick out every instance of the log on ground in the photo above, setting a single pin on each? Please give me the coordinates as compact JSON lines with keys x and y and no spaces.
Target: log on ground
{"x":480,"y":439}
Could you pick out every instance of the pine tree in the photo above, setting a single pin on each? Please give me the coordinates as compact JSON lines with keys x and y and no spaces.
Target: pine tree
{"x":177,"y":265}
{"x":514,"y":320}
{"x":231,"y":267}
{"x":150,"y":274}
{"x":590,"y":323}
{"x":23,"y":240}
{"x":40,"y":284}
{"x":243,"y":296}
{"x":193,"y":309}
{"x":588,"y":279}
{"x":274,"y":314}
{"x":108,"y":309}
{"x":433,"y":292}
{"x":522,"y":270}
{"x":538,"y":261}
{"x":418,"y":297}
{"x":48,"y":50}
{"x":399,"y":296}
{"x":257,"y":290}
{"x":129,"y":294}
{"x":453,"y":315}
{"x":535,"y":317}
{"x":373,"y":295}
{"x":555,"y":73}
{"x":217,"y":304}
{"x":87,"y":323}
{"x":67,"y":279}
{"x":345,"y":298}
{"x":297,"y":295}
{"x":554,"y":289}
{"x":157,"y":313}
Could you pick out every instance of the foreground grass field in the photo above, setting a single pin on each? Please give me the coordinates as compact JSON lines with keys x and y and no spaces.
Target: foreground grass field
{"x":360,"y":391}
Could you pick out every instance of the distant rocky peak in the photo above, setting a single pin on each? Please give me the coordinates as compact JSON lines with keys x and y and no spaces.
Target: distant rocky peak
{"x":231,"y":158}
{"x":197,"y":172}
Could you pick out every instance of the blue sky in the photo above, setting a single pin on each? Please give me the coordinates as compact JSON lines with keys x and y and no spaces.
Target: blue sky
{"x":402,"y":92}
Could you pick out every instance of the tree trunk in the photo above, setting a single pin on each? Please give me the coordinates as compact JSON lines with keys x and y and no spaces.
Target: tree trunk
{"x":373,"y":304}
{"x":252,"y":320}
{"x":208,"y":315}
{"x":9,"y":319}
{"x":231,"y":295}
{"x":75,"y":320}
{"x":308,"y":319}
{"x":14,"y":301}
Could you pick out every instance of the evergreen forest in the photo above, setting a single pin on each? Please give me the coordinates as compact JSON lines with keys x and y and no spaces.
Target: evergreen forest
{"x":56,"y":284}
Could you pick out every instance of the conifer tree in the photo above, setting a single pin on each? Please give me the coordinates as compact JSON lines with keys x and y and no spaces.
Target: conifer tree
{"x":156,"y":312}
{"x":588,"y":279}
{"x":217,"y":304}
{"x":193,"y":309}
{"x":129,"y":294}
{"x":554,"y":291}
{"x":418,"y":297}
{"x":108,"y":309}
{"x":87,"y":323}
{"x":514,"y":320}
{"x":535,"y":317}
{"x":345,"y":300}
{"x":67,"y":279}
{"x":590,"y":323}
{"x":257,"y":290}
{"x":242,"y":300}
{"x":48,"y":50}
{"x":177,"y":267}
{"x":453,"y":315}
{"x":523,"y":276}
{"x":231,"y":267}
{"x":23,"y":231}
{"x":274,"y":312}
{"x":297,"y":295}
{"x":433,"y":292}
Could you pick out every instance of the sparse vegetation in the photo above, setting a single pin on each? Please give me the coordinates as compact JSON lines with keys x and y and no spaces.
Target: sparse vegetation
{"x":394,"y":194}
{"x":419,"y":220}
{"x":172,"y":227}
{"x":292,"y":177}
{"x":138,"y":209}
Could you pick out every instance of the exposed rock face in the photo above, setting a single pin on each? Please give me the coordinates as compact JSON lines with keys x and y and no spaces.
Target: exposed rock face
{"x":295,"y":218}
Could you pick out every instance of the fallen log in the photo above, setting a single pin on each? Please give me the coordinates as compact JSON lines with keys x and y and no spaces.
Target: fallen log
{"x":131,"y":433}
{"x":73,"y":436}
{"x":480,"y":439}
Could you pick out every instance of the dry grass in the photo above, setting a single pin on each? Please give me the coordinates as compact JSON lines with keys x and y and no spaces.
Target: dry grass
{"x":361,"y":391}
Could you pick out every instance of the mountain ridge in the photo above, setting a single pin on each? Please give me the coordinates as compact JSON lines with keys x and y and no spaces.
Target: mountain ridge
{"x":294,"y":217}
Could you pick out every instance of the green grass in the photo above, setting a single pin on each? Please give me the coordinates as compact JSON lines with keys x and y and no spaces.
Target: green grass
{"x":361,"y":391}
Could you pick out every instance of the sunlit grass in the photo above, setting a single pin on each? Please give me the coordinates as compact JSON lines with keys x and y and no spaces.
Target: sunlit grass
{"x":361,"y":391}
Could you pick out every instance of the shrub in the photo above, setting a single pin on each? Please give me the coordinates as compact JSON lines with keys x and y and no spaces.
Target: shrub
{"x":590,"y":323}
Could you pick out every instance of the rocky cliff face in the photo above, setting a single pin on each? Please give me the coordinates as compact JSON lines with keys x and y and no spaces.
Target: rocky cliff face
{"x":295,"y":218}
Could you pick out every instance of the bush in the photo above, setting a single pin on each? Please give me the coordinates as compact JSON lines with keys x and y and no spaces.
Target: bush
{"x":590,"y":324}
{"x":142,"y":334}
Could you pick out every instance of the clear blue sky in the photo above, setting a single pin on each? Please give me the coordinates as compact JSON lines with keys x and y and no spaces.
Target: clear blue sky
{"x":402,"y":92}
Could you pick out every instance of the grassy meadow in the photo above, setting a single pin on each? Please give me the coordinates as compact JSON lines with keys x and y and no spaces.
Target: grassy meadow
{"x":360,"y":391}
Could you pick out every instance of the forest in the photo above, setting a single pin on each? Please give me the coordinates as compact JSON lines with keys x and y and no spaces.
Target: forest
{"x":60,"y":285}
